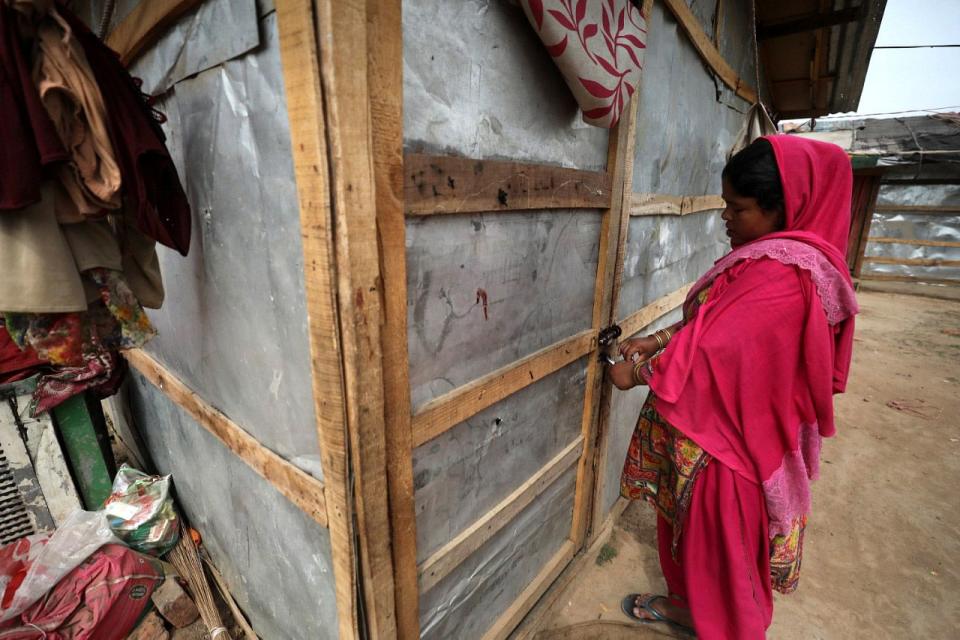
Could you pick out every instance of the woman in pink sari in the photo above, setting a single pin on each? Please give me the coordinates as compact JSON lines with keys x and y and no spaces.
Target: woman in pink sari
{"x":741,"y":393}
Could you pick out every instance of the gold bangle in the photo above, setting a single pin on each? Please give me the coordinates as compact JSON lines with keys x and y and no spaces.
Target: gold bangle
{"x":636,"y":373}
{"x":668,"y":334}
{"x":659,"y":340}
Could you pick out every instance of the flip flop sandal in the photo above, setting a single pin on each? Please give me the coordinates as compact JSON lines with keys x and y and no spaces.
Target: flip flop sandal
{"x":629,"y":602}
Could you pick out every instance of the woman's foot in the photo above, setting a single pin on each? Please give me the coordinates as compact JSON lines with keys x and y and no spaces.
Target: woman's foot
{"x":653,"y":608}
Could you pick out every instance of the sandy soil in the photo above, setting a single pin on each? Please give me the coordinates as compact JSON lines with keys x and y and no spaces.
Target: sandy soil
{"x":882,"y":554}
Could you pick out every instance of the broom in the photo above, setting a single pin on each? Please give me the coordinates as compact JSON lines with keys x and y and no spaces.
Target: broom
{"x":185,"y":558}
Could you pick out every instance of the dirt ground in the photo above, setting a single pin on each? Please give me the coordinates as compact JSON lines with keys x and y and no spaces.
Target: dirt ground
{"x":882,"y":552}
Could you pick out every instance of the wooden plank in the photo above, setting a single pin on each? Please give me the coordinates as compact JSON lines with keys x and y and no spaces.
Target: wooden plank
{"x":918,"y":280}
{"x":302,"y":489}
{"x":636,"y":321}
{"x":658,"y":204}
{"x":915,"y":241}
{"x":145,"y":25}
{"x":865,"y":228}
{"x":450,"y":555}
{"x":916,"y":208}
{"x":344,"y":46}
{"x":614,"y":226}
{"x":914,"y":262}
{"x":449,"y":184}
{"x":300,"y":59}
{"x":384,"y":71}
{"x":532,"y":623}
{"x":711,"y":56}
{"x":810,"y":22}
{"x":505,"y":624}
{"x":453,"y":407}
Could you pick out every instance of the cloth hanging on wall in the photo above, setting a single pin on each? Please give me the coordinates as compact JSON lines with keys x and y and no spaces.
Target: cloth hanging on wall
{"x":598,"y":46}
{"x":756,"y":125}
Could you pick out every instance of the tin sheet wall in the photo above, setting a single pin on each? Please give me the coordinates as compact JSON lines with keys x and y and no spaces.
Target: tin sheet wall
{"x":234,"y":324}
{"x":686,"y":125}
{"x":478,"y":83}
{"x":914,"y":225}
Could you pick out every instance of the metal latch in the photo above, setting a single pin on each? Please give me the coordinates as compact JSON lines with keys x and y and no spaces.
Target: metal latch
{"x":605,"y":338}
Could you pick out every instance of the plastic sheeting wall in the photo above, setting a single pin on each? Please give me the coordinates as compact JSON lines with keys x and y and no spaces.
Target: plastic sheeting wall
{"x":686,"y":125}
{"x":915,"y":226}
{"x":234,"y":324}
{"x":478,"y":83}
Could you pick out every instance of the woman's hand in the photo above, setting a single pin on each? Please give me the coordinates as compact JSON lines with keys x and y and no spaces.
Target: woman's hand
{"x":621,"y":375}
{"x":639,"y":349}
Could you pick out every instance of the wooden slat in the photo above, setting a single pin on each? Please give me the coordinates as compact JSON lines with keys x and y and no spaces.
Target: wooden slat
{"x":916,"y":208}
{"x":914,"y":262}
{"x":384,"y":71}
{"x":532,"y":623}
{"x":454,"y":407}
{"x":505,"y":624}
{"x":344,"y":46}
{"x":636,"y":321}
{"x":302,"y":489}
{"x":450,"y":184}
{"x":916,"y":241}
{"x":865,"y":227}
{"x":711,"y":56}
{"x":602,"y":392}
{"x":300,"y":61}
{"x":918,"y":280}
{"x":657,"y":204}
{"x":450,"y":555}
{"x":145,"y":25}
{"x":613,"y":229}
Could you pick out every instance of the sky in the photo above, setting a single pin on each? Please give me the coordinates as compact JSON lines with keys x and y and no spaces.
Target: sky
{"x":909,"y":79}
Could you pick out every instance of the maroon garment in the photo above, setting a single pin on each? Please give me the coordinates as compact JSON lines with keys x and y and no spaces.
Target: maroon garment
{"x":15,"y":363}
{"x":28,"y":139}
{"x":150,"y":181}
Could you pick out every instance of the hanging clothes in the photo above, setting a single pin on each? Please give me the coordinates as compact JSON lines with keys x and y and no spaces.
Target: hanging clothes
{"x":72,"y":98}
{"x":150,"y":180}
{"x":30,"y":140}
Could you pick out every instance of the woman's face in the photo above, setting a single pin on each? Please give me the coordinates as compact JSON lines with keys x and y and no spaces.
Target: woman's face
{"x":746,"y":220}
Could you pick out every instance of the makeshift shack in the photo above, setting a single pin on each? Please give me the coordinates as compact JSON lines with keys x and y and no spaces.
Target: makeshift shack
{"x":906,"y":222}
{"x":377,"y":380}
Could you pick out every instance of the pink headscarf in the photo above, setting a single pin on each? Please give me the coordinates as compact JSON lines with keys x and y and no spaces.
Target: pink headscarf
{"x":751,"y":377}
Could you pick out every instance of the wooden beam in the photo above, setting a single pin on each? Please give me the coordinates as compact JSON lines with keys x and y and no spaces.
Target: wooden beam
{"x":300,"y":59}
{"x":866,"y":223}
{"x":913,"y":262}
{"x":810,"y":22}
{"x":453,"y":407}
{"x":384,"y":71}
{"x":711,"y":56}
{"x":613,"y":230}
{"x":143,"y":26}
{"x":452,"y":554}
{"x":636,"y":321}
{"x":916,"y":241}
{"x":344,"y":48}
{"x":918,"y":280}
{"x":917,"y":208}
{"x":658,"y":204}
{"x":510,"y":618}
{"x":449,"y":184}
{"x":532,"y":623}
{"x":302,"y":489}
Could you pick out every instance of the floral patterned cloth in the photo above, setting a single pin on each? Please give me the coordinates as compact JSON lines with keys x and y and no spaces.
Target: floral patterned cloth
{"x":598,"y":46}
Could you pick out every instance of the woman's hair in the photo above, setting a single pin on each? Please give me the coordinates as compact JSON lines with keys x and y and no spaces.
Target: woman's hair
{"x":753,"y":173}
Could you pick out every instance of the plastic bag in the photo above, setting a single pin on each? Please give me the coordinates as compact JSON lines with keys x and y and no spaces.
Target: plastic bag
{"x":140,"y":511}
{"x":31,"y":566}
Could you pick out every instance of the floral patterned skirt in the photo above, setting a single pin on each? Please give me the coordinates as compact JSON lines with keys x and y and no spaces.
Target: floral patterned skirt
{"x":662,"y":466}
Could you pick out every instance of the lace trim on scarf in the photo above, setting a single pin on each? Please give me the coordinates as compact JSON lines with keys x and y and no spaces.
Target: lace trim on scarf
{"x":836,"y":294}
{"x":787,"y":491}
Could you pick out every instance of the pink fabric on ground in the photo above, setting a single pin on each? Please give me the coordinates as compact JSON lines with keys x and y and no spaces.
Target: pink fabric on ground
{"x":722,"y":570}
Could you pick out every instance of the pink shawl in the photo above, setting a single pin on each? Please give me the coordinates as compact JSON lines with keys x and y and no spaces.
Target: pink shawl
{"x":751,"y":377}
